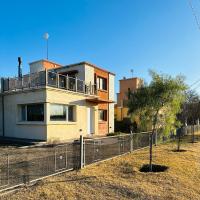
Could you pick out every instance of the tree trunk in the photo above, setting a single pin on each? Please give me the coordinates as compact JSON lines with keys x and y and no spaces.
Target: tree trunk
{"x":151,"y":151}
{"x":193,"y":133}
{"x":179,"y":141}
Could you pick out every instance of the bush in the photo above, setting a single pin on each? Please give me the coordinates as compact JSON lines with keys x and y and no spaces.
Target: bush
{"x":125,"y":125}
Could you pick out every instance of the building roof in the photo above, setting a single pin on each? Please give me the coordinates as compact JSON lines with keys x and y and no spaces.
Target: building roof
{"x":44,"y":60}
{"x":90,"y":64}
{"x":130,"y":79}
{"x":72,"y":65}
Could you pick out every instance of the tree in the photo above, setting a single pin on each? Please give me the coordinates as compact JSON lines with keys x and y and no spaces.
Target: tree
{"x":190,"y":110}
{"x":158,"y":103}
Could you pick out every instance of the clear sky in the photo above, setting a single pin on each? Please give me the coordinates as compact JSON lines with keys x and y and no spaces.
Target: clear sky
{"x":117,"y":35}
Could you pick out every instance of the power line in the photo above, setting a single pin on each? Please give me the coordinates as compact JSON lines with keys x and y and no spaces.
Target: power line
{"x":194,"y":83}
{"x":197,"y":86}
{"x":194,"y":14}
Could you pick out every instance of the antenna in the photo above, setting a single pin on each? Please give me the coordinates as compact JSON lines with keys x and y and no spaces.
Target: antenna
{"x":46,"y":37}
{"x":19,"y":67}
{"x":132,"y":73}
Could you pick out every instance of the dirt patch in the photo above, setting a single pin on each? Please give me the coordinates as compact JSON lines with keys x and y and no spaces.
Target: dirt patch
{"x":155,"y":168}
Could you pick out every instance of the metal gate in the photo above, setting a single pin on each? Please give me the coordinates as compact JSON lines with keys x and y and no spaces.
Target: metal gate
{"x":60,"y":157}
{"x":4,"y":170}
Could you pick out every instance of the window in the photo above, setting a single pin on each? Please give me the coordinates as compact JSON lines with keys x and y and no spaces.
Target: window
{"x":102,"y":115}
{"x":101,"y":83}
{"x":32,"y":112}
{"x":59,"y":112}
{"x":70,"y":113}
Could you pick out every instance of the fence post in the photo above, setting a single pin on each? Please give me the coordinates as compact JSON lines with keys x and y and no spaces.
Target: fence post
{"x":81,"y":152}
{"x":131,"y":143}
{"x":156,"y":137}
{"x":46,"y":77}
{"x":8,"y":169}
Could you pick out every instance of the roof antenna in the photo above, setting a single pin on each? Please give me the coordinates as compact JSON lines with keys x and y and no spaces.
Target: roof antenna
{"x":46,"y":37}
{"x":132,"y":73}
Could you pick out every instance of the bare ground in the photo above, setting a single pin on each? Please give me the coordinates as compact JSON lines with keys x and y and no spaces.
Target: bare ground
{"x":120,"y":178}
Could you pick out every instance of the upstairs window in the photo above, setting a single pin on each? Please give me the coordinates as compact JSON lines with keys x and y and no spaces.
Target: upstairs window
{"x":32,"y":112}
{"x":102,"y":115}
{"x":101,"y":83}
{"x":59,"y":112}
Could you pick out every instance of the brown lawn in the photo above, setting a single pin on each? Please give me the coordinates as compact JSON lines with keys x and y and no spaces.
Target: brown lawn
{"x":120,"y":178}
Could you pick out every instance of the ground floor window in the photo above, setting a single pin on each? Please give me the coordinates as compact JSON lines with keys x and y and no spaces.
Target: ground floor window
{"x":32,"y":112}
{"x":102,"y":115}
{"x":59,"y":112}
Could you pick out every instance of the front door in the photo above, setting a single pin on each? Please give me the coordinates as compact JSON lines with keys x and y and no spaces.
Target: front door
{"x":90,"y":120}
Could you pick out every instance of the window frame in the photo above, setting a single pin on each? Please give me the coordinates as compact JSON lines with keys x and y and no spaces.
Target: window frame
{"x":101,"y":82}
{"x":66,"y":106}
{"x":105,"y":115}
{"x":24,"y":119}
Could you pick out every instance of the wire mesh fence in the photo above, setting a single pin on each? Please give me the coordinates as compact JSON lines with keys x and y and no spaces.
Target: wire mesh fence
{"x":21,"y":166}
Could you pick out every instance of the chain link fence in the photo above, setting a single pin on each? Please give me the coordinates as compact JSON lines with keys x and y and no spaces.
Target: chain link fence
{"x":20,"y":166}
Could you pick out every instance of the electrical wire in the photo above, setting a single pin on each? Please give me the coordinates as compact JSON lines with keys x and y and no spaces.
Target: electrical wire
{"x":194,"y":14}
{"x":194,"y":83}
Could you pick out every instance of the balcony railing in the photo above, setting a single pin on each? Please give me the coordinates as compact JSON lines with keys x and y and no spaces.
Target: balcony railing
{"x":48,"y":78}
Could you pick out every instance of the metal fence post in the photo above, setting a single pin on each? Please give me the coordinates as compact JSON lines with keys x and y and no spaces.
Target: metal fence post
{"x":131,"y":143}
{"x":156,"y":138}
{"x":81,"y":152}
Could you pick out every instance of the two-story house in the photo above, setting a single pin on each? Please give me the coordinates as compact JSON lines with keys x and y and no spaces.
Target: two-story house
{"x":55,"y":102}
{"x":126,"y":85}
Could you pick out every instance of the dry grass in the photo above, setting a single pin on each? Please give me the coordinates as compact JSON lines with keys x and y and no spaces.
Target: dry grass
{"x":120,"y":178}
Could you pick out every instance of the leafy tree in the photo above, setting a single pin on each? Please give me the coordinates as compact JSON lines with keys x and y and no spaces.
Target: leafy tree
{"x":158,"y":104}
{"x":190,"y":110}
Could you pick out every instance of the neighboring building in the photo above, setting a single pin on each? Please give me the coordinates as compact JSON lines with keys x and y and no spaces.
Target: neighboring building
{"x":57,"y":102}
{"x":125,"y":86}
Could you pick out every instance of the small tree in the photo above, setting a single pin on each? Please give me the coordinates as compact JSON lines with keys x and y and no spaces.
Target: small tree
{"x":190,"y":110}
{"x":158,"y":104}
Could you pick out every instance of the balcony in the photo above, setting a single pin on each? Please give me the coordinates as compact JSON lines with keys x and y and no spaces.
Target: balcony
{"x":47,"y":78}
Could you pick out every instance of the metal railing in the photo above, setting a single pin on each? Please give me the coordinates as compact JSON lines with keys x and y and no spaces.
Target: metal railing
{"x":48,"y":78}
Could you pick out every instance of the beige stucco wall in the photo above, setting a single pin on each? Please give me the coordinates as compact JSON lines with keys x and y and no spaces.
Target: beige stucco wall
{"x":89,"y":74}
{"x":1,"y":125}
{"x":36,"y":67}
{"x":112,"y":98}
{"x":69,"y":130}
{"x":17,"y":129}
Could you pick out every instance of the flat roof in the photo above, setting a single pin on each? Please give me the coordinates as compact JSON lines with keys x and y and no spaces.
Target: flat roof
{"x":130,"y":79}
{"x":72,"y":65}
{"x":90,"y":64}
{"x":44,"y":60}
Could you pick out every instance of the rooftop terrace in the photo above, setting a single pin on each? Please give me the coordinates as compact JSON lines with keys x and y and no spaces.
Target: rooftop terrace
{"x":47,"y":78}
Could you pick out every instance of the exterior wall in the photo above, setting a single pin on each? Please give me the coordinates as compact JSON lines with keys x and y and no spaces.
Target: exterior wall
{"x":132,"y":83}
{"x":16,"y":129}
{"x":111,"y":106}
{"x":89,"y":74}
{"x":121,"y":113}
{"x":1,"y":120}
{"x":79,"y":68}
{"x":36,"y":67}
{"x":104,"y":95}
{"x":42,"y":65}
{"x":69,"y":130}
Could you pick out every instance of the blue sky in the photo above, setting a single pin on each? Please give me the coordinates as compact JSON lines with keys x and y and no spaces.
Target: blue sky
{"x":117,"y":35}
